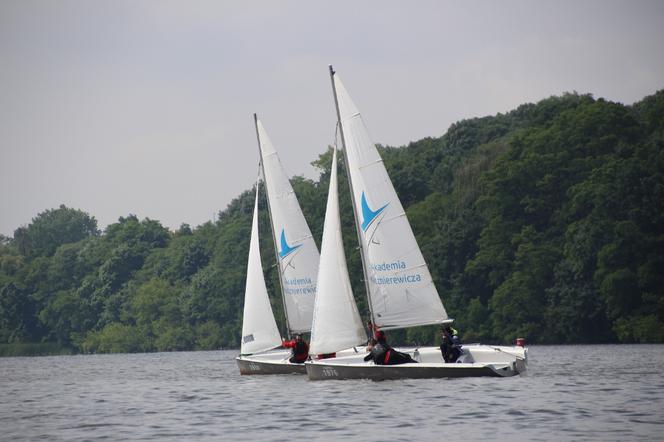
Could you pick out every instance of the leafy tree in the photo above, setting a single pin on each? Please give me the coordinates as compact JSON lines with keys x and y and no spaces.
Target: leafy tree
{"x":17,"y":315}
{"x":67,"y":317}
{"x":52,"y":228}
{"x":546,"y":221}
{"x":114,"y":338}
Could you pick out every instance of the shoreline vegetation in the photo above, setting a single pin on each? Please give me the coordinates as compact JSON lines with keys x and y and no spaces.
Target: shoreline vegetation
{"x":546,"y":222}
{"x":34,"y":349}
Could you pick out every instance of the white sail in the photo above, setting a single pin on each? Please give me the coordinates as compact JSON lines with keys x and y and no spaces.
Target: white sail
{"x":259,"y":329}
{"x":402,"y":293}
{"x":297,"y":252}
{"x":336,"y":324}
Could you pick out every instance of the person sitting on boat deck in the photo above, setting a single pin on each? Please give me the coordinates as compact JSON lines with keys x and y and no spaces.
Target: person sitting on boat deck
{"x":300,"y":351}
{"x":451,"y":345}
{"x":370,"y":345}
{"x":382,"y":354}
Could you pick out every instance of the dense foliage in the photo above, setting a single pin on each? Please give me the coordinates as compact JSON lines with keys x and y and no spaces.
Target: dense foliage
{"x":545,"y":222}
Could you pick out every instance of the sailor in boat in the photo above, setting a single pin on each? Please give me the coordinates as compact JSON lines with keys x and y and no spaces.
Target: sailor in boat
{"x":382,"y":354}
{"x":300,"y":351}
{"x":451,"y":344}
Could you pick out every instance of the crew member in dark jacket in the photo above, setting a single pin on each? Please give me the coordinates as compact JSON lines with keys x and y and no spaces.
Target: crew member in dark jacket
{"x":300,"y":351}
{"x":382,"y":354}
{"x":451,"y":345}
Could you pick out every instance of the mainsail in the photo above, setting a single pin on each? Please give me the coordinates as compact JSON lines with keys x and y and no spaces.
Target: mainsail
{"x":401,"y":291}
{"x":336,"y":324}
{"x":297,"y":253}
{"x":259,"y":329}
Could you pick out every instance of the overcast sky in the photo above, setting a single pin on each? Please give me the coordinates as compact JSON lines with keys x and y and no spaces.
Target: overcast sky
{"x":145,"y":107}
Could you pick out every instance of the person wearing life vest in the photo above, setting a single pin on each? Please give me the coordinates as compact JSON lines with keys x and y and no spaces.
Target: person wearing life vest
{"x":300,"y":351}
{"x":450,"y":346}
{"x":382,"y":354}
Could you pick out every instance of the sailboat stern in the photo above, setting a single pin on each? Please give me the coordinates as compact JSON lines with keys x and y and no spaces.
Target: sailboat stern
{"x":268,"y":363}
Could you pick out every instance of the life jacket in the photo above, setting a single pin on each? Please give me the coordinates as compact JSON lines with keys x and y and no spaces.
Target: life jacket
{"x":380,"y":353}
{"x":453,"y":340}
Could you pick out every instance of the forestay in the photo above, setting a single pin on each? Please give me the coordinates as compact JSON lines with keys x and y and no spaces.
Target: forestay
{"x":259,"y":328}
{"x":402,"y":293}
{"x":336,"y":324}
{"x":296,"y":250}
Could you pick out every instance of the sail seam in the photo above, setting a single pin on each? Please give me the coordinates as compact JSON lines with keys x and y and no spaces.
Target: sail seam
{"x":398,"y":215}
{"x":295,"y":241}
{"x":373,"y":163}
{"x":350,"y":117}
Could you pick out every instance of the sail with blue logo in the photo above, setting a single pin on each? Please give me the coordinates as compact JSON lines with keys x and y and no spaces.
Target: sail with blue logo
{"x":401,"y":290}
{"x":296,"y":250}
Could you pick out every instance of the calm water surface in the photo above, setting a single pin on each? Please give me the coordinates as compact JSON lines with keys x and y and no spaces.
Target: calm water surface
{"x":570,"y":393}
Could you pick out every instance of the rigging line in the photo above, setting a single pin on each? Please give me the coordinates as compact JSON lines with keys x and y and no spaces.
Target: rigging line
{"x":290,"y":261}
{"x":375,"y":230}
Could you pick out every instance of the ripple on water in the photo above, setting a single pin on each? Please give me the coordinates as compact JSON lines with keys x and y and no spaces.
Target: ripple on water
{"x":569,"y":393}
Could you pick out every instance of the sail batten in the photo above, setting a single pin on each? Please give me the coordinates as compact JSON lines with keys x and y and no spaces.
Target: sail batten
{"x":401,"y":290}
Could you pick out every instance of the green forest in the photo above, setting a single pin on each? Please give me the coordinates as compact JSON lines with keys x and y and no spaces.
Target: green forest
{"x":546,"y":222}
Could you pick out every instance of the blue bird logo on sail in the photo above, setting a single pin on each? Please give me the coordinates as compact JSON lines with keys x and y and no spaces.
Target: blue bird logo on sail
{"x":368,"y":215}
{"x":285,"y":248}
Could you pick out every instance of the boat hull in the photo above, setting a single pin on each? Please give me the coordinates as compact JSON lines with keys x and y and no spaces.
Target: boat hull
{"x":317,"y":371}
{"x":476,"y":361}
{"x":268,"y":363}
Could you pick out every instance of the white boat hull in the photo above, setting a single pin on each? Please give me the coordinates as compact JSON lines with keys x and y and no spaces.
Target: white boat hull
{"x":476,"y":361}
{"x":318,"y":372}
{"x":275,"y":362}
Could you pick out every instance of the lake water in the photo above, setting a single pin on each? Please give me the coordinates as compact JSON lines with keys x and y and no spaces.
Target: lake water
{"x":603,"y":392}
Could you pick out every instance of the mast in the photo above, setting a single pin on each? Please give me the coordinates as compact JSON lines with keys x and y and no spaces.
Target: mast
{"x":352,"y":196}
{"x":274,"y":238}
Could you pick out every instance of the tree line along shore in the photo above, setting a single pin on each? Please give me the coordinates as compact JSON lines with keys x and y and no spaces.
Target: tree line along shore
{"x":545,"y":222}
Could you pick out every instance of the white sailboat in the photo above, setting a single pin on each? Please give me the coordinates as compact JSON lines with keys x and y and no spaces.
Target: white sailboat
{"x":297,"y":258}
{"x":400,"y":289}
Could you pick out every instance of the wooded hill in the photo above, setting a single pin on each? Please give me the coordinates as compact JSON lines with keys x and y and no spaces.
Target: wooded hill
{"x":546,"y":222}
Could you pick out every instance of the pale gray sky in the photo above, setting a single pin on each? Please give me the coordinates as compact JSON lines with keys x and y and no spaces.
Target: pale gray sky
{"x":145,"y":107}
